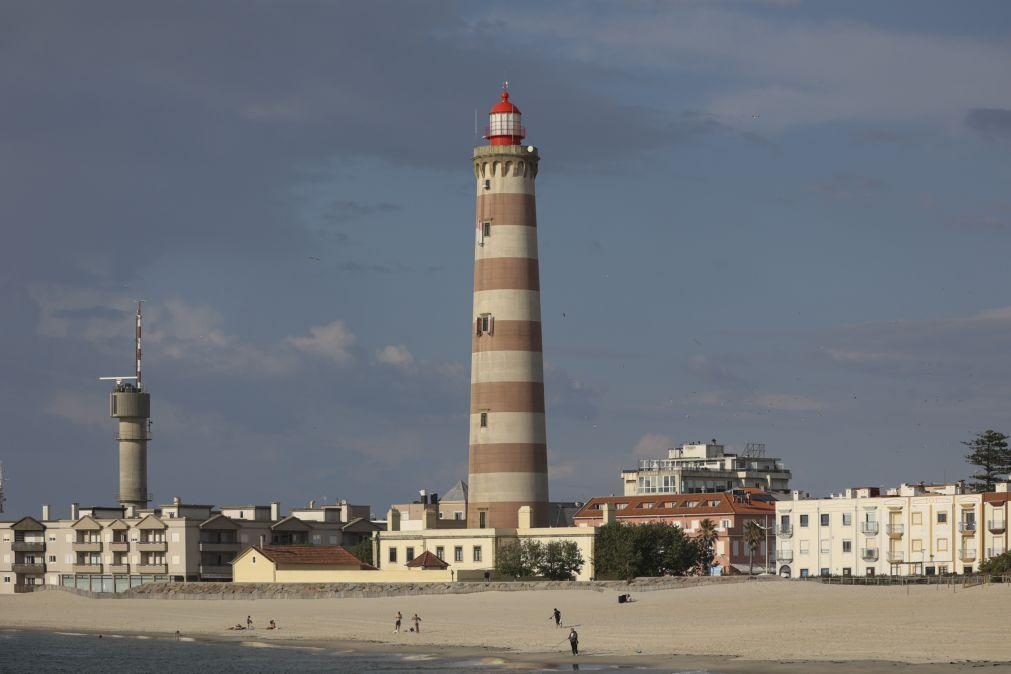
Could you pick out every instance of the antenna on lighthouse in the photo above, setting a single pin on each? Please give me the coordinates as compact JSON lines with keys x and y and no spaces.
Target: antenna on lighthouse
{"x":3,"y":498}
{"x":137,"y":335}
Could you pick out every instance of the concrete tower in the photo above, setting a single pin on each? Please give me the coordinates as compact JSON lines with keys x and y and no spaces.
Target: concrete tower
{"x":132,"y":406}
{"x":508,"y":444}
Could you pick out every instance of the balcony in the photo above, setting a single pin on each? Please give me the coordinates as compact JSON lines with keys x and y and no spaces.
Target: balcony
{"x":967,"y":554}
{"x":28,"y":568}
{"x":784,"y":530}
{"x":118,"y":568}
{"x":995,"y":552}
{"x":118,"y":546}
{"x":87,"y":568}
{"x":967,"y":528}
{"x":784,"y":555}
{"x":152,"y":546}
{"x":869,"y":528}
{"x":895,"y":530}
{"x":215,"y":571}
{"x":869,"y":554}
{"x":997,"y":526}
{"x":896,"y":556}
{"x":87,"y":547}
{"x":220,"y":547}
{"x":25,"y":546}
{"x":152,"y":568}
{"x":22,"y":589}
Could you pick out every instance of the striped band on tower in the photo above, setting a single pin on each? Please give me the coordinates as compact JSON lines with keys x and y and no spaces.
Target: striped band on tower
{"x":508,"y":444}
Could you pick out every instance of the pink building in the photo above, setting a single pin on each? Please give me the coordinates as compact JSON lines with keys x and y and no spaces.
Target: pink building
{"x":729,"y":511}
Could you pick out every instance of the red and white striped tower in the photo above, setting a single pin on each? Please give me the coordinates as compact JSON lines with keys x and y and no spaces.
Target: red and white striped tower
{"x":508,"y":444}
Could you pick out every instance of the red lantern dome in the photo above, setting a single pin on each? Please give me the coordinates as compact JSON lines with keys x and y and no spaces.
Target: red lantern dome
{"x":504,"y":122}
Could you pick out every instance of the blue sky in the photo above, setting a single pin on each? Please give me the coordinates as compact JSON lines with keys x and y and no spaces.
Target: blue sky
{"x":782,"y":222}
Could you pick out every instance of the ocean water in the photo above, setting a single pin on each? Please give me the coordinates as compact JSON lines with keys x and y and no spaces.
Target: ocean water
{"x":30,"y":651}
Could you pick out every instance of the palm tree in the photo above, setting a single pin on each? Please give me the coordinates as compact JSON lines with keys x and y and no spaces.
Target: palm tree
{"x":753,"y":536}
{"x":707,"y":542}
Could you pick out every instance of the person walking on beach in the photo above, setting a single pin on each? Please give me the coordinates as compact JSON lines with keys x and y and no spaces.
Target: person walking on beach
{"x":396,"y":629}
{"x":417,"y":623}
{"x":574,"y":641}
{"x":557,"y":615}
{"x":249,"y":622}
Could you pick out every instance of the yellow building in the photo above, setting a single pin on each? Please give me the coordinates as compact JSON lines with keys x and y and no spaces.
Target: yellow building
{"x":324,"y":564}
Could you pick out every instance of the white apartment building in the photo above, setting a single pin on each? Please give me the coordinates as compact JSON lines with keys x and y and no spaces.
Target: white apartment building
{"x":907,"y":531}
{"x":705,"y":467}
{"x":113,"y":549}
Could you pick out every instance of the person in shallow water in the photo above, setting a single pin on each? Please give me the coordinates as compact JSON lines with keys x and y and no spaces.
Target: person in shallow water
{"x":574,"y":641}
{"x":557,"y":615}
{"x":417,"y":623}
{"x":396,"y":624}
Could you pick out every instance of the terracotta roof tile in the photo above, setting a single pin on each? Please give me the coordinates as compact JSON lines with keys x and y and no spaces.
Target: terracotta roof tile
{"x":312,"y":554}
{"x":427,"y":560}
{"x":679,"y":504}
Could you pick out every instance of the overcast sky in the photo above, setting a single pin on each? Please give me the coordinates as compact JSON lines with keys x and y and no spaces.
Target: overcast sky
{"x":775,"y":222}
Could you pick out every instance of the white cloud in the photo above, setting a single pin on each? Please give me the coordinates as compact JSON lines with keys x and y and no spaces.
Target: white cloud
{"x":332,"y":341}
{"x":652,"y":445}
{"x":83,"y":409}
{"x":396,"y":356}
{"x":785,"y":71}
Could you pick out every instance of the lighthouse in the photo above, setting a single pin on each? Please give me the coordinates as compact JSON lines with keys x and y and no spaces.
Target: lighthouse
{"x":508,"y":444}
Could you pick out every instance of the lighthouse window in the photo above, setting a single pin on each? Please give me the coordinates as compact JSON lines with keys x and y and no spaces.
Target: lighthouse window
{"x":486,"y":229}
{"x":484,"y":420}
{"x":485,"y":323}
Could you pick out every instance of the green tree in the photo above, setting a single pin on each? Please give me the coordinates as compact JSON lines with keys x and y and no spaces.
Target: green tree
{"x":997,"y":566}
{"x":561,"y":561}
{"x":363,"y":550}
{"x":989,"y":452}
{"x":520,"y":559}
{"x":753,"y":537}
{"x":652,"y":549}
{"x":706,"y":541}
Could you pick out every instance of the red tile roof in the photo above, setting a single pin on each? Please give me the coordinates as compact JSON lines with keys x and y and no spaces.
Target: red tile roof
{"x":325,"y":555}
{"x":427,"y":560}
{"x":759,"y":503}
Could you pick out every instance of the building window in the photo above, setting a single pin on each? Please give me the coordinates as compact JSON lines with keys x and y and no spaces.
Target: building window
{"x":485,"y":229}
{"x":440,"y":552}
{"x":804,"y":573}
{"x":870,"y":570}
{"x":824,"y":571}
{"x":477,"y":553}
{"x":847,"y":519}
{"x":826,"y":545}
{"x":410,"y":554}
{"x":942,"y":544}
{"x":458,"y":553}
{"x":929,"y":571}
{"x":725,"y":524}
{"x":485,"y":324}
{"x":484,"y":420}
{"x":458,"y":515}
{"x":52,"y":559}
{"x":482,"y":519}
{"x":847,"y":571}
{"x":918,"y":545}
{"x":393,"y":555}
{"x":254,"y":559}
{"x":942,"y":517}
{"x":942,"y":569}
{"x":847,"y":546}
{"x":7,"y":579}
{"x":803,"y":520}
{"x":917,"y":519}
{"x":804,"y":547}
{"x":824,"y":520}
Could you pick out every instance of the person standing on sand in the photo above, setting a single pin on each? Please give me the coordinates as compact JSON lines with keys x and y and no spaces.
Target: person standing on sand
{"x":417,"y":623}
{"x":574,"y":641}
{"x":249,"y":622}
{"x":396,"y":628}
{"x":557,"y":615}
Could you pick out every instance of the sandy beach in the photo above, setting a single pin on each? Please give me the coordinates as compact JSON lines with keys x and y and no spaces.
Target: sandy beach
{"x":779,"y":622}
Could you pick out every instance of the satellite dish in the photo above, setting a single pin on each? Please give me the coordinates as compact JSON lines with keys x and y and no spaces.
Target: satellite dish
{"x":530,"y":148}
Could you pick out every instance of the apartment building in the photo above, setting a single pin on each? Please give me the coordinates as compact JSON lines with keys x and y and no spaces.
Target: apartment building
{"x":706,"y":467}
{"x":113,"y":549}
{"x":729,"y":511}
{"x":910,"y":530}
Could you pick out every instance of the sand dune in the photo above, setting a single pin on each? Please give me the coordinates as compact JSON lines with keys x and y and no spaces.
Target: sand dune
{"x":761,"y":621}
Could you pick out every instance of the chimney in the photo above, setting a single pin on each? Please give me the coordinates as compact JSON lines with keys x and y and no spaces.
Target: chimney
{"x":393,"y":520}
{"x":607,"y":512}
{"x":312,"y":503}
{"x":526,"y":517}
{"x":275,"y":510}
{"x":262,"y":539}
{"x":45,"y":512}
{"x":73,"y":510}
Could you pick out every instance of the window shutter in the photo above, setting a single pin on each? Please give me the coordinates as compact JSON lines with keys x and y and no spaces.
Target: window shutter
{"x":491,"y":325}
{"x":477,"y":325}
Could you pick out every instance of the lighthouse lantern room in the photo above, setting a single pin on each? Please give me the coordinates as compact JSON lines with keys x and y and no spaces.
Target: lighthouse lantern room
{"x":504,"y":122}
